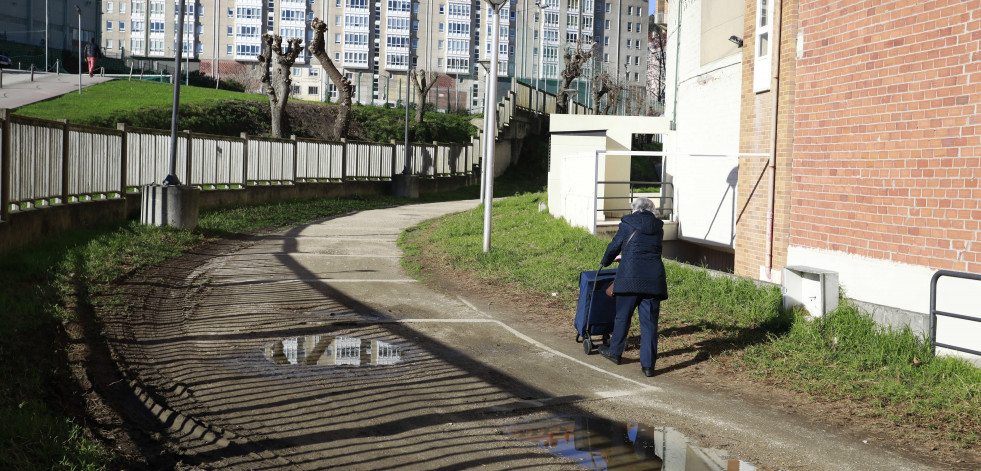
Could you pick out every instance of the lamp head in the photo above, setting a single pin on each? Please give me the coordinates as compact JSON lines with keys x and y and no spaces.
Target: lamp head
{"x":79,"y":10}
{"x":496,"y":3}
{"x":736,"y":40}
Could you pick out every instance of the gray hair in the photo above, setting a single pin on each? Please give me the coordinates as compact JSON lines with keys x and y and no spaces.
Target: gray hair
{"x":642,"y":204}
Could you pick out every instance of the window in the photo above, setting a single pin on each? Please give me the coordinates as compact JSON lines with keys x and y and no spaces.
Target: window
{"x":247,"y":50}
{"x":636,"y":60}
{"x":337,"y":38}
{"x":231,"y":14}
{"x":138,"y":27}
{"x":314,"y":72}
{"x":138,"y":8}
{"x":607,"y":24}
{"x":228,"y":31}
{"x":607,"y":7}
{"x":122,"y":26}
{"x":313,"y":90}
{"x":630,"y":10}
{"x":108,"y":7}
{"x":415,"y":25}
{"x":439,"y":45}
{"x":363,"y":4}
{"x":200,"y":28}
{"x":122,"y":9}
{"x":442,"y":9}
{"x":606,"y":57}
{"x":761,"y":57}
{"x":629,"y":26}
{"x":337,"y":21}
{"x":200,"y":46}
{"x":108,"y":44}
{"x":441,"y":28}
{"x":228,"y":49}
{"x":295,"y":89}
{"x":109,"y":25}
{"x":248,"y":13}
{"x":297,"y":72}
{"x":415,"y":8}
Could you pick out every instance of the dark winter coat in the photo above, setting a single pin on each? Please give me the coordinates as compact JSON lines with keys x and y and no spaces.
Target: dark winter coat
{"x":91,"y":50}
{"x":641,"y":270}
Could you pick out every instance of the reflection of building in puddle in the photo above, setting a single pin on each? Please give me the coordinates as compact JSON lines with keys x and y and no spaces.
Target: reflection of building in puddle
{"x":332,"y":350}
{"x":597,"y":443}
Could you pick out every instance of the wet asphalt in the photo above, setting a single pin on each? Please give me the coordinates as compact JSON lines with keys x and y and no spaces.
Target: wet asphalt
{"x":313,"y":348}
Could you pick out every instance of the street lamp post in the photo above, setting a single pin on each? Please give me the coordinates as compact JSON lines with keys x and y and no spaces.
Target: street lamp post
{"x":490,"y":115}
{"x":79,"y":10}
{"x":541,"y":48}
{"x":178,"y":49}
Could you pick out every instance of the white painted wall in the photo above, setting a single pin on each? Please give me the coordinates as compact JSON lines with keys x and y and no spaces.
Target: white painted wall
{"x":902,"y":286}
{"x":707,"y":122}
{"x":573,"y":167}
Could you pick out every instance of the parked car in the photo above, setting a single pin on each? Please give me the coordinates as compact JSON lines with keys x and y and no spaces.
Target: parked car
{"x":5,"y":62}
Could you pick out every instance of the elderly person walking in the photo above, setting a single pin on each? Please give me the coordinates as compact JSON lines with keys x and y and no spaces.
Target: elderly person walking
{"x":640,"y":282}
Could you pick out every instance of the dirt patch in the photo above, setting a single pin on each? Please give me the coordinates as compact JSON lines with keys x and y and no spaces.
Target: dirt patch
{"x":685,"y":356}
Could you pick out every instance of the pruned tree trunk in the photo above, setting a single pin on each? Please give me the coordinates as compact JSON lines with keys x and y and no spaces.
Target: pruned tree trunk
{"x":276,"y":67}
{"x":574,"y":59}
{"x":422,"y":83}
{"x":344,"y":89}
{"x":601,"y":87}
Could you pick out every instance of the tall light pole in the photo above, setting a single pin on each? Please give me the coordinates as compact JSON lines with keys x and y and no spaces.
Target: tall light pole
{"x":490,"y":114}
{"x":45,"y":35}
{"x":79,"y":10}
{"x":541,"y":40}
{"x":178,"y":49}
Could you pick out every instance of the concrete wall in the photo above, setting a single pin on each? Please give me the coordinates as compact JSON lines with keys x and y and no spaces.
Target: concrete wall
{"x":26,"y":227}
{"x":573,"y":166}
{"x":707,"y":116}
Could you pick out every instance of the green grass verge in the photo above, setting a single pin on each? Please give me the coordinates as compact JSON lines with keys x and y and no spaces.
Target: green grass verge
{"x":843,"y":356}
{"x":123,"y":96}
{"x":40,"y":288}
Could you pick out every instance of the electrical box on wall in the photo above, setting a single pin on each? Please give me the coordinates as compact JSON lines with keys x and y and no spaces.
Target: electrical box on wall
{"x":815,"y":289}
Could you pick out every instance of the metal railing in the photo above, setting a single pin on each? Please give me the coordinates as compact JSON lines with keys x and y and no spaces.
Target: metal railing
{"x":934,"y":313}
{"x":666,"y":197}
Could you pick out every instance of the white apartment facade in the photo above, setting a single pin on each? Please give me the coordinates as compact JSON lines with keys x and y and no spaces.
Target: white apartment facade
{"x":373,"y":41}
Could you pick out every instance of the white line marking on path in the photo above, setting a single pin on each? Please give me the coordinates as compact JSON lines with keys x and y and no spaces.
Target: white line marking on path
{"x":522,"y":337}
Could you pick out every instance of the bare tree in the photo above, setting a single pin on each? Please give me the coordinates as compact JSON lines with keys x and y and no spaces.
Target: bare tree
{"x":605,"y":86}
{"x":276,"y":66}
{"x":574,"y":60}
{"x":422,"y":83}
{"x":344,"y":89}
{"x":657,"y":43}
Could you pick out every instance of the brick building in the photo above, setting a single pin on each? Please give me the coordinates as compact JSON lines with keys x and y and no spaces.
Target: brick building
{"x":878,"y":145}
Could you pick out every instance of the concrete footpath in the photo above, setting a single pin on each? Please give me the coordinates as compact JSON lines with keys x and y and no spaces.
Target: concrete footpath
{"x":312,"y":348}
{"x":18,"y":89}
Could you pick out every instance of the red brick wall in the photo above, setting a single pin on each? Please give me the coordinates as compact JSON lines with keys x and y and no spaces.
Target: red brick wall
{"x":756,"y":129}
{"x":887,"y":143}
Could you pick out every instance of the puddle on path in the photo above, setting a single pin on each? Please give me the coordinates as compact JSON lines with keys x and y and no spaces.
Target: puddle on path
{"x":333,"y":351}
{"x":597,"y":443}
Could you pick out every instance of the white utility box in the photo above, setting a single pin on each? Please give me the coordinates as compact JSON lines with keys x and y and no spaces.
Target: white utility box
{"x":814,"y":288}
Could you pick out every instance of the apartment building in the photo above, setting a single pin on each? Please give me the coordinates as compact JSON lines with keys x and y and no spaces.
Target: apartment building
{"x":374,"y":42}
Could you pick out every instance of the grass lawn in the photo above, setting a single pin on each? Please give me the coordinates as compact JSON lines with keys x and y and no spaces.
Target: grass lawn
{"x":843,"y":356}
{"x":119,"y":96}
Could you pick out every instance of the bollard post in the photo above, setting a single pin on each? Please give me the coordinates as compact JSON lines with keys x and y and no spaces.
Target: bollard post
{"x":1,"y":78}
{"x":58,"y":66}
{"x":32,"y":72}
{"x":131,"y":72}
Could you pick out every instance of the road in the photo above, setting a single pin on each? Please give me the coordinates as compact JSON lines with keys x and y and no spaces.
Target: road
{"x":19,"y":89}
{"x":448,"y":379}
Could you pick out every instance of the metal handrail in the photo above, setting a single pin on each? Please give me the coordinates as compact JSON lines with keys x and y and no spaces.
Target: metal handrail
{"x":934,"y":312}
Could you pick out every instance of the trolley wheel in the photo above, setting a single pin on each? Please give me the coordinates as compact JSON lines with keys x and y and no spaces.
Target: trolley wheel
{"x":587,"y":345}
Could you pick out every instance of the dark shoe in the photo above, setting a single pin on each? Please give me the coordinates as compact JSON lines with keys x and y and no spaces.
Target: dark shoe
{"x":605,"y":351}
{"x":647,"y":371}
